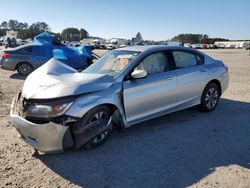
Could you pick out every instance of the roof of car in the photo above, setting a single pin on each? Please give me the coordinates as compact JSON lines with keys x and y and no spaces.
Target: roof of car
{"x":158,"y":47}
{"x":150,"y":47}
{"x":20,"y":47}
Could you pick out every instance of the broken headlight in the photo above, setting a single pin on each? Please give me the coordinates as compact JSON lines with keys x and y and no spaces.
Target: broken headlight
{"x":48,"y":110}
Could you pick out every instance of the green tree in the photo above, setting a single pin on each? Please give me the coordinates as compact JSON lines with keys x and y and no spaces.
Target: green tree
{"x":204,"y":38}
{"x":24,"y":34}
{"x":4,"y":25}
{"x":83,"y":33}
{"x":24,"y":30}
{"x":40,"y":26}
{"x":22,"y":26}
{"x":13,"y":24}
{"x":2,"y":32}
{"x":188,"y":38}
{"x":196,"y":38}
{"x":37,"y":28}
{"x":71,"y":34}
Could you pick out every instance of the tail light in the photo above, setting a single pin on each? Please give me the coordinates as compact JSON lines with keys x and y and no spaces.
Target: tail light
{"x":5,"y":55}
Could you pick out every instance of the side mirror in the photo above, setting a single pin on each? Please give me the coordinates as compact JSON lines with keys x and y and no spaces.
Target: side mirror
{"x":137,"y":74}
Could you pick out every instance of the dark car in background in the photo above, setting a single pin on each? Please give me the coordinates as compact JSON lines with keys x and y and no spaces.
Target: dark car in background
{"x":27,"y":58}
{"x":24,"y":58}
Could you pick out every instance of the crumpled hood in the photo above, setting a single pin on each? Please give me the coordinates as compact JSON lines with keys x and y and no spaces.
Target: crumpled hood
{"x":55,"y":79}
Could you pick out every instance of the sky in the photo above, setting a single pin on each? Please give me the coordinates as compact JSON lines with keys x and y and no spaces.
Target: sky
{"x":155,"y":19}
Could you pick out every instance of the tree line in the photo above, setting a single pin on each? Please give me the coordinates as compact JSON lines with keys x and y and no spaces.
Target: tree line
{"x":196,"y":39}
{"x":26,"y":31}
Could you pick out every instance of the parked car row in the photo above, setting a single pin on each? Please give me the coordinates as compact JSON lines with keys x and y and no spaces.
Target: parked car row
{"x":202,"y":46}
{"x":126,"y":86}
{"x":216,"y":46}
{"x":99,"y":43}
{"x":247,"y":47}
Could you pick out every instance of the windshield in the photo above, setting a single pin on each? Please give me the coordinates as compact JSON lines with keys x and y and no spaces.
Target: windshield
{"x":112,"y":63}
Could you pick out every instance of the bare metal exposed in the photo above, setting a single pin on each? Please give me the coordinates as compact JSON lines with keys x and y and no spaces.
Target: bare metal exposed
{"x":59,"y":107}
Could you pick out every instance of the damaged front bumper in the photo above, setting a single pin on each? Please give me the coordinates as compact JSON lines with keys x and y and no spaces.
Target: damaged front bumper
{"x":46,"y":137}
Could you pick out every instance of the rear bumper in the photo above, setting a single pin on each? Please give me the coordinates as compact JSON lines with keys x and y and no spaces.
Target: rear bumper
{"x":48,"y":137}
{"x":5,"y":64}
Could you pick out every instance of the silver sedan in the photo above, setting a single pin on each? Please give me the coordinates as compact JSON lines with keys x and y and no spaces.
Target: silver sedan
{"x":59,"y":107}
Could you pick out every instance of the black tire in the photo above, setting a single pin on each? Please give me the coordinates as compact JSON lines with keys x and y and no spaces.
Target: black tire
{"x":24,"y":69}
{"x":210,"y":97}
{"x":104,"y":113}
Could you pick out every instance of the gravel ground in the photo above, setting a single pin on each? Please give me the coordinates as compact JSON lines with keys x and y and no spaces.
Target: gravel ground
{"x":187,"y":148}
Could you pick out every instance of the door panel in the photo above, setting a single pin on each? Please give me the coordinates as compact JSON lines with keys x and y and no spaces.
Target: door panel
{"x":190,"y":84}
{"x":148,"y":96}
{"x":191,"y":75}
{"x":39,"y":56}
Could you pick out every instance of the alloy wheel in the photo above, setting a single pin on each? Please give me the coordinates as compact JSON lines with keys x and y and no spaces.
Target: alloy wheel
{"x":97,"y":117}
{"x":211,"y":98}
{"x":24,"y":69}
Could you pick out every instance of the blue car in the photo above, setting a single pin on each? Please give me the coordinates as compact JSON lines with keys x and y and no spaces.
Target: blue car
{"x":27,"y":58}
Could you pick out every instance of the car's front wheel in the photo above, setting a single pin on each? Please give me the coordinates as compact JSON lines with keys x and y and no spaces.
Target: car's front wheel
{"x":98,"y":115}
{"x":24,"y":69}
{"x":210,"y":97}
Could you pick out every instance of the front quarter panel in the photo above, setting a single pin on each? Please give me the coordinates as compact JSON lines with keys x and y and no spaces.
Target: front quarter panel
{"x":86,"y":102}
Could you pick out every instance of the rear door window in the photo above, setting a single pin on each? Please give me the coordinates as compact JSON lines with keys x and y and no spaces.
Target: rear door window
{"x":36,"y":50}
{"x":28,"y":50}
{"x":184,"y":59}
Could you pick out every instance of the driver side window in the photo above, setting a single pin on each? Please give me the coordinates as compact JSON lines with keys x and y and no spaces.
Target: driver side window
{"x":154,"y":63}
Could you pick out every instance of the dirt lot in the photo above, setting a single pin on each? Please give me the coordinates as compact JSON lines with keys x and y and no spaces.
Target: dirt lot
{"x":187,"y":148}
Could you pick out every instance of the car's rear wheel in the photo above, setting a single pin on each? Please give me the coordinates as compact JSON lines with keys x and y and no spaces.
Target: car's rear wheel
{"x":100,"y":114}
{"x":24,"y":69}
{"x":210,"y":97}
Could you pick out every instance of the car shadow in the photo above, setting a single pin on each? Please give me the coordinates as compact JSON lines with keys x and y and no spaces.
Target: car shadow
{"x":17,"y":76}
{"x":176,"y":150}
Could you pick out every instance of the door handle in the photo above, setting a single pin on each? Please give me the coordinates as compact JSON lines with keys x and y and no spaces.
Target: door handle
{"x":203,"y":70}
